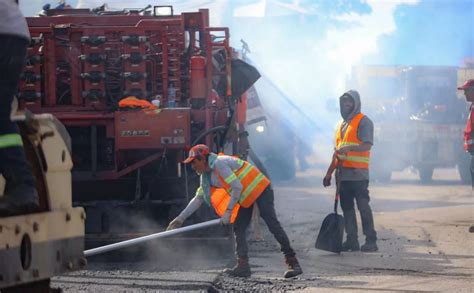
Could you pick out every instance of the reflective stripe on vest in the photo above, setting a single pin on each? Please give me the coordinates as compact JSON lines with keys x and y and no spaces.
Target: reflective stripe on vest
{"x":10,"y":140}
{"x":359,"y":160}
{"x":253,"y":184}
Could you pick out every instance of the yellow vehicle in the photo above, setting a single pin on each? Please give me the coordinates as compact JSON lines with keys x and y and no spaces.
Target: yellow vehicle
{"x":34,"y":247}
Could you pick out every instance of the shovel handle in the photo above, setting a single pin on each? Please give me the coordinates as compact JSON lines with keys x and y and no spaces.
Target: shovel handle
{"x":337,"y":195}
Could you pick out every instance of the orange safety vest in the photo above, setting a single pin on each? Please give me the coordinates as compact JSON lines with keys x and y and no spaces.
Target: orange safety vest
{"x":468,"y":139}
{"x":133,"y":102}
{"x":359,"y":160}
{"x":253,"y":184}
{"x":220,"y":201}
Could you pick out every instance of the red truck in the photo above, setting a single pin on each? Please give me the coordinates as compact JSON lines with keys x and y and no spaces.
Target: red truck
{"x":127,"y":170}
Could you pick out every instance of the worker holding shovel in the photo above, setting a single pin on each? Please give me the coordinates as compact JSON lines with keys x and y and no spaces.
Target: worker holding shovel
{"x":232,"y":186}
{"x":331,"y":232}
{"x":354,"y":139}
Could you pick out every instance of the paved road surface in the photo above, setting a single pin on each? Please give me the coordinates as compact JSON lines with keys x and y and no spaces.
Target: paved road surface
{"x":423,"y":239}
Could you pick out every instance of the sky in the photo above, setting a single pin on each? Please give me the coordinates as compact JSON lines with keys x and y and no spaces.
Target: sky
{"x":307,"y":47}
{"x":405,"y":32}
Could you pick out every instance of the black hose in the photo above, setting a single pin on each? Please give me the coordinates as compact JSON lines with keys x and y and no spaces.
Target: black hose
{"x":211,"y":130}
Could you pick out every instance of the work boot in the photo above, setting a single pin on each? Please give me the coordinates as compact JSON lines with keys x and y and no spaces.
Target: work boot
{"x":294,"y":268}
{"x":241,"y":269}
{"x":22,"y":200}
{"x":350,"y":245}
{"x":369,"y":246}
{"x":20,"y":195}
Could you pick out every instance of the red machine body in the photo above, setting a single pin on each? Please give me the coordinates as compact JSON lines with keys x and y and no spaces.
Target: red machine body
{"x":198,"y":77}
{"x":81,"y":64}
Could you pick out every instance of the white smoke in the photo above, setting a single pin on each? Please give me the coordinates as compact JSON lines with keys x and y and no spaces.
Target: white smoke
{"x":305,"y":67}
{"x":344,"y":48}
{"x":309,"y":64}
{"x":309,"y":68}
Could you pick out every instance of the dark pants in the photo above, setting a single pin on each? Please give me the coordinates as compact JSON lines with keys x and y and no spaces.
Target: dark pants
{"x":472,"y":170}
{"x":358,"y":190}
{"x":12,"y":59}
{"x":267,"y":212}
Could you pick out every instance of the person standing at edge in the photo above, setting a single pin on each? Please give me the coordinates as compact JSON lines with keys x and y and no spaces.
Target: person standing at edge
{"x":232,"y":186}
{"x":20,"y":192}
{"x":468,"y":88}
{"x":354,"y":139}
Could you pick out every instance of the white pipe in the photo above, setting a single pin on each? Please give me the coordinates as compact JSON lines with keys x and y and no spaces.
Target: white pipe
{"x":122,"y":244}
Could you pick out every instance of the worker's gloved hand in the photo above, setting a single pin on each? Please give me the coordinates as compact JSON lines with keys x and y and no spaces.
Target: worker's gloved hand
{"x":342,"y":151}
{"x":327,"y":180}
{"x":175,"y":224}
{"x":225,"y":220}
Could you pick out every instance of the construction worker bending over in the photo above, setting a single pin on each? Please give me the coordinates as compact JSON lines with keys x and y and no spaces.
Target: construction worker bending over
{"x":232,"y":186}
{"x":20,"y":193}
{"x":354,"y":139}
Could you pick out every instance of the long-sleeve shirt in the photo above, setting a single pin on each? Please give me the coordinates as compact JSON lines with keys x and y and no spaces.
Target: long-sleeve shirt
{"x":225,"y":166}
{"x":12,"y":21}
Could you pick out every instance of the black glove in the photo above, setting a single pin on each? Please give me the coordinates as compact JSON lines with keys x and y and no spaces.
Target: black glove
{"x":327,"y":181}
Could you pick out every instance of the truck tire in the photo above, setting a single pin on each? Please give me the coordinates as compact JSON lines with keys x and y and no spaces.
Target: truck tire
{"x":426,"y":173}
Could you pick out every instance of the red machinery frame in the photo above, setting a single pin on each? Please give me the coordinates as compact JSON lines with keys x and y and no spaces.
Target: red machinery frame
{"x":76,"y":58}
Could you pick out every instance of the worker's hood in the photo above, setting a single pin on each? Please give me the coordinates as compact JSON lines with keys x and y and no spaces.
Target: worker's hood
{"x":356,"y":98}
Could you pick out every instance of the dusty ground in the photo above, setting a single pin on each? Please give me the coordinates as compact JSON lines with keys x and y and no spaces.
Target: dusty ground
{"x":424,"y":245}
